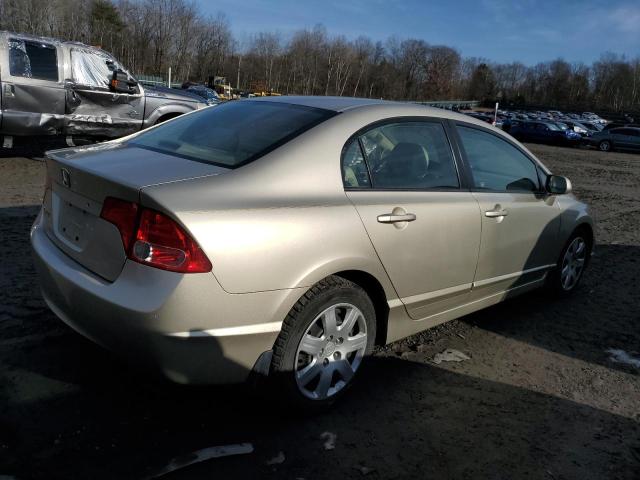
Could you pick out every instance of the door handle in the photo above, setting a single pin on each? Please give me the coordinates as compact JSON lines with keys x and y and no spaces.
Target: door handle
{"x":9,"y":90}
{"x":496,"y":213}
{"x":391,"y":218}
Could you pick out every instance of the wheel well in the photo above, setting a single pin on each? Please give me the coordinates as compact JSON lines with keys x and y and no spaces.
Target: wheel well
{"x":374,"y":290}
{"x":167,"y":116}
{"x":588,"y":233}
{"x":586,"y":228}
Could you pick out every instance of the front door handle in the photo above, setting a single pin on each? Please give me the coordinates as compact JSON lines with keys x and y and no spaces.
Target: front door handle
{"x":9,"y":90}
{"x":391,"y":218}
{"x":496,"y":213}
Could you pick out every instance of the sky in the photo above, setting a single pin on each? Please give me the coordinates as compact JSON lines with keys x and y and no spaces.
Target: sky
{"x":528,"y":31}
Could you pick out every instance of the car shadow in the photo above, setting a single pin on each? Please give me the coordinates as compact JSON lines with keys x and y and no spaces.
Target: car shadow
{"x":402,"y":420}
{"x":601,"y":314}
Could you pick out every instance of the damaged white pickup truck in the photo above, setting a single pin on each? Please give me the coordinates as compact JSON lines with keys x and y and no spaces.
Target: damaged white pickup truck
{"x":49,"y":87}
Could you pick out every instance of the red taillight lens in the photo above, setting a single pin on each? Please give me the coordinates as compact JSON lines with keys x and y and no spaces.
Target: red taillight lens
{"x":123,"y":215}
{"x":154,"y":239}
{"x":162,"y":243}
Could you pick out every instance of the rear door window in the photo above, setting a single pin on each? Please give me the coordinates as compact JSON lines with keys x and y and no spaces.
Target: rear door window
{"x":411,"y":155}
{"x":623,"y":131}
{"x":30,"y":59}
{"x":354,"y":168}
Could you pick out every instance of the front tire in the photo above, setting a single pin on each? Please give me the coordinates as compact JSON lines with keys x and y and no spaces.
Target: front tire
{"x":565,"y":278}
{"x":323,"y":342}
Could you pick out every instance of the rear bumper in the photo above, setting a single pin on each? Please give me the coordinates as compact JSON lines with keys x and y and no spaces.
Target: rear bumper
{"x":184,"y":326}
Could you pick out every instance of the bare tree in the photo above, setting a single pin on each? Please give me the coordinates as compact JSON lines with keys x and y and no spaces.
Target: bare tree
{"x":148,"y":36}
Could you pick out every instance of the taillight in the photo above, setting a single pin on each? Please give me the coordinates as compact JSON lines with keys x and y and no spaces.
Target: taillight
{"x":123,"y":215}
{"x":162,"y":243}
{"x":154,"y":239}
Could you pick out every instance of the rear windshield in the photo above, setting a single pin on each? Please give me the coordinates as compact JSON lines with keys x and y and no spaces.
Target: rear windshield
{"x":233,"y":133}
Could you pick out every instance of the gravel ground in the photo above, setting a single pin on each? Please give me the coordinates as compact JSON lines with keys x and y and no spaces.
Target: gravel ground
{"x":539,"y":397}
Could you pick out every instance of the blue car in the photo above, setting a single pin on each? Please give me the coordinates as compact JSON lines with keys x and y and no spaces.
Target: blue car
{"x":545,"y":132}
{"x":210,"y":95}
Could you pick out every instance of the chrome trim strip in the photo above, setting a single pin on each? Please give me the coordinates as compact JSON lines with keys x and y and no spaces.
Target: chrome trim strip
{"x":230,"y":331}
{"x":483,"y":299}
{"x":445,"y":292}
{"x":509,"y":276}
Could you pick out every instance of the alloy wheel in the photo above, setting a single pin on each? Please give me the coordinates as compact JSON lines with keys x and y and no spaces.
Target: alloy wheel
{"x":330,"y":351}
{"x":573,"y":263}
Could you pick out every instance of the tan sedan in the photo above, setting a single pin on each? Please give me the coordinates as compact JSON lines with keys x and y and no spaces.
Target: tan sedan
{"x":287,"y":236}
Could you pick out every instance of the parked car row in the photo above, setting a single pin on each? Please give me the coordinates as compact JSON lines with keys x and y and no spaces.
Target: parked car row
{"x":567,"y":129}
{"x":589,"y":120}
{"x":580,"y":123}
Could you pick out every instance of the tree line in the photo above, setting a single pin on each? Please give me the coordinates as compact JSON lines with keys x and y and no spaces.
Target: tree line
{"x":149,"y":36}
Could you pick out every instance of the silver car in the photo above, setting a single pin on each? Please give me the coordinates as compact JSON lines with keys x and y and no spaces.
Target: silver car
{"x":288,"y":236}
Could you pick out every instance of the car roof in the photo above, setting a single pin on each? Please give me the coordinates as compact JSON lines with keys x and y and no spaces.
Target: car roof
{"x":625,"y":127}
{"x":343,"y":104}
{"x":52,"y":41}
{"x":336,"y":104}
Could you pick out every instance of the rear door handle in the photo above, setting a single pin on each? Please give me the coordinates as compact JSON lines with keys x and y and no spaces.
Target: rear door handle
{"x":391,"y":218}
{"x":496,"y":213}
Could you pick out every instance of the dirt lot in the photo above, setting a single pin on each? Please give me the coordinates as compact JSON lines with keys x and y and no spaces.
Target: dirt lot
{"x":540,"y":397}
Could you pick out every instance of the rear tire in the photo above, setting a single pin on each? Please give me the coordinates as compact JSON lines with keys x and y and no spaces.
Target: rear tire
{"x":605,"y":146}
{"x":574,"y":259}
{"x":323,"y":343}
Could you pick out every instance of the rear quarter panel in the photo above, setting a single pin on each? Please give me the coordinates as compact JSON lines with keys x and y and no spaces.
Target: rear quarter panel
{"x":281,"y":222}
{"x":277,"y":248}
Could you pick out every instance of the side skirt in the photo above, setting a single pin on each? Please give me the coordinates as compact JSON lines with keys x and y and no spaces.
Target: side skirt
{"x":400,"y":325}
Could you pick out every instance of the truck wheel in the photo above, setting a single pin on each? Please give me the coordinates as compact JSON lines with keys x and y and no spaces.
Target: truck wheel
{"x":164,"y":118}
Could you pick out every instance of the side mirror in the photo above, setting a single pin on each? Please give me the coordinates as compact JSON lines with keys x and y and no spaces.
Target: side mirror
{"x":558,"y":185}
{"x":121,"y":83}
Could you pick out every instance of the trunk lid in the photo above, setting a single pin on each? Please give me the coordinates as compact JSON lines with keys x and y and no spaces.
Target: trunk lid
{"x":78,"y":181}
